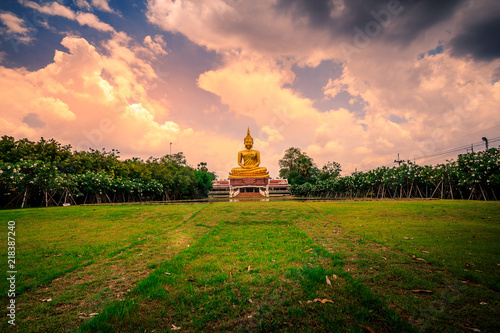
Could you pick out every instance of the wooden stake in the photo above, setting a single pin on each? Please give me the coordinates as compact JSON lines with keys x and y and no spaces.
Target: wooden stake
{"x":24,"y":197}
{"x":482,"y":192}
{"x":494,"y":196}
{"x":437,"y":187}
{"x":421,"y":196}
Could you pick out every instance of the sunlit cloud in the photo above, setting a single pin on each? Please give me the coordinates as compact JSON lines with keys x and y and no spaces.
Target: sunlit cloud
{"x":74,"y":99}
{"x":54,"y":8}
{"x":14,"y":24}
{"x":89,"y":99}
{"x":402,"y":79}
{"x":102,"y":5}
{"x":92,"y":21}
{"x":15,"y":27}
{"x":383,"y":70}
{"x":83,"y":4}
{"x":84,"y":19}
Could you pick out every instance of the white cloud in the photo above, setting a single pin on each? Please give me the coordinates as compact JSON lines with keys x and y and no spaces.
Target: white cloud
{"x":254,"y":87}
{"x":83,"y":4}
{"x":254,"y":26}
{"x":54,"y":107}
{"x":93,"y":21}
{"x":411,"y":104}
{"x":79,"y":104}
{"x":436,"y":97}
{"x":84,"y":19}
{"x":15,"y":27}
{"x":88,"y":99}
{"x":102,"y":5}
{"x":273,"y":135}
{"x":14,"y":24}
{"x":157,"y":45}
{"x":54,"y":9}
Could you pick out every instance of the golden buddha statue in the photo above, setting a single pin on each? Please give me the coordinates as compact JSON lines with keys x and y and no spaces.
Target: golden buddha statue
{"x":251,"y":160}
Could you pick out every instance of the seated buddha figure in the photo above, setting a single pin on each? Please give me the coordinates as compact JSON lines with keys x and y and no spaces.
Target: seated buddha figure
{"x":249,"y":161}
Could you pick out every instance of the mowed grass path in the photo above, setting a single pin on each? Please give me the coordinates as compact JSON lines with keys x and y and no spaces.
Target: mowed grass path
{"x":258,"y":266}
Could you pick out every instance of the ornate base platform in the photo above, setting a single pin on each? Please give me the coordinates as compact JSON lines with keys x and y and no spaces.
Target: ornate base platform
{"x":249,"y":181}
{"x":249,"y":186}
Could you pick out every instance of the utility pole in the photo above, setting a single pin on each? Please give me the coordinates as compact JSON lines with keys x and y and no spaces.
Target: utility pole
{"x":170,"y":148}
{"x":471,"y":147}
{"x":485,"y":142}
{"x":399,"y":161}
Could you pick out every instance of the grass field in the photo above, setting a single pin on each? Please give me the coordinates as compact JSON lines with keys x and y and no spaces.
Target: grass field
{"x":367,"y":266}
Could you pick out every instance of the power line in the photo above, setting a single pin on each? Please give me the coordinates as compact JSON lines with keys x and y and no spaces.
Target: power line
{"x":431,"y":159}
{"x":433,"y":156}
{"x":482,"y":131}
{"x":399,"y":161}
{"x":457,"y":149}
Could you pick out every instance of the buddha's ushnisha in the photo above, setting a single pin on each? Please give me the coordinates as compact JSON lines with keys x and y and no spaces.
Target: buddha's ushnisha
{"x":249,"y":161}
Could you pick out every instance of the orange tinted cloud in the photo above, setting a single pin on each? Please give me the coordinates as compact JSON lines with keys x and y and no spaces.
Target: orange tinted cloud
{"x":15,"y":27}
{"x":110,"y":95}
{"x":84,"y":19}
{"x":89,"y":99}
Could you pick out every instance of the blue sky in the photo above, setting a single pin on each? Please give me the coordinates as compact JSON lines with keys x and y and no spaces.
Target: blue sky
{"x":351,"y":82}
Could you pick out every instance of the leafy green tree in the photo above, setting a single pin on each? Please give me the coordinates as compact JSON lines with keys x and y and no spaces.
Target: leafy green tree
{"x":7,"y":149}
{"x":204,"y":183}
{"x":93,"y":160}
{"x":289,"y":162}
{"x":177,"y":159}
{"x":305,"y":167}
{"x":49,"y":173}
{"x":202,"y":166}
{"x":296,"y":166}
{"x":136,"y":168}
{"x":330,"y":170}
{"x":295,"y":178}
{"x":44,"y":150}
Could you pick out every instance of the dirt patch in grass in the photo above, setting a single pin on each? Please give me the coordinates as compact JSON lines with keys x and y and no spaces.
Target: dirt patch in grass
{"x":90,"y":288}
{"x":263,"y":280}
{"x":422,"y":293}
{"x":148,"y":278}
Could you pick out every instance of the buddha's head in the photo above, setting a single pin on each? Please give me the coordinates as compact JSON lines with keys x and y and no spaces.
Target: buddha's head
{"x":248,"y":140}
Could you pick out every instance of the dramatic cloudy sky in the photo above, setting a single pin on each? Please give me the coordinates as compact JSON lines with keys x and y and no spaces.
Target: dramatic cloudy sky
{"x":355,"y":82}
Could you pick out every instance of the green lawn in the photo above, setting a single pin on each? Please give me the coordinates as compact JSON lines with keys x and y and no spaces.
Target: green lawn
{"x":258,"y":266}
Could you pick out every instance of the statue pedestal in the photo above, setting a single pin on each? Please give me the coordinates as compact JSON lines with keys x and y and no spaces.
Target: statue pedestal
{"x":249,"y":187}
{"x":273,"y":188}
{"x":249,"y":181}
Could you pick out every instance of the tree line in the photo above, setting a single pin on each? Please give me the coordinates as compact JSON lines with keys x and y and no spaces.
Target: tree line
{"x":472,"y":176}
{"x":46,"y":173}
